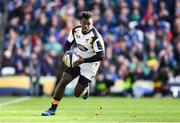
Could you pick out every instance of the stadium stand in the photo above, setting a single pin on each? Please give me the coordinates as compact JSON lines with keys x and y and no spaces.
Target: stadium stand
{"x":142,"y":39}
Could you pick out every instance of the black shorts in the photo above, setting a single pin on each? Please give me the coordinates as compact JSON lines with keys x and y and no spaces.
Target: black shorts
{"x":76,"y":72}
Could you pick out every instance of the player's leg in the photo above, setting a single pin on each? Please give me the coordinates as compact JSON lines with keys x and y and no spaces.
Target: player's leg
{"x":82,"y":88}
{"x":59,"y":92}
{"x":67,"y":77}
{"x":79,"y":89}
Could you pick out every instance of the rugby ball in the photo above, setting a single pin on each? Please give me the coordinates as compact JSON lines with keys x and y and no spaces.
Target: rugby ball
{"x":69,"y":58}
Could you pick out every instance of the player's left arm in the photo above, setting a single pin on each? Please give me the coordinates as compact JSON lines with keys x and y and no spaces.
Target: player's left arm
{"x":99,"y":50}
{"x":98,"y":57}
{"x":98,"y":47}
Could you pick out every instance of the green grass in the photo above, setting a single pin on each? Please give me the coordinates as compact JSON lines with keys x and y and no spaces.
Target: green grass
{"x":95,"y":109}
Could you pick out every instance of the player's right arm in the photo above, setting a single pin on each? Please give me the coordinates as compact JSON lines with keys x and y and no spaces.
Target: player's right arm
{"x":67,"y":46}
{"x":70,"y":41}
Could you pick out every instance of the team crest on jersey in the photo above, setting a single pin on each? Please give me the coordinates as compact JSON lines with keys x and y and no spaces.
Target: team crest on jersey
{"x":77,"y":36}
{"x":81,"y":47}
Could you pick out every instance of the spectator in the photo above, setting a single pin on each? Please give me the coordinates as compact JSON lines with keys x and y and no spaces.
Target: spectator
{"x":141,"y":37}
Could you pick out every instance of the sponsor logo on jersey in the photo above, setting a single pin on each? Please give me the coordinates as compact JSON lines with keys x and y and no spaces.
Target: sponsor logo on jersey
{"x":81,"y":47}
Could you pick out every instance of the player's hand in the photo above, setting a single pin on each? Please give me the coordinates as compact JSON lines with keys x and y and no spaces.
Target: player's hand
{"x":79,"y":61}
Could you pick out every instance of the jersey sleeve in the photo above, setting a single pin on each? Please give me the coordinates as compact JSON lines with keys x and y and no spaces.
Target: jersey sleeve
{"x":98,"y":45}
{"x":70,"y":37}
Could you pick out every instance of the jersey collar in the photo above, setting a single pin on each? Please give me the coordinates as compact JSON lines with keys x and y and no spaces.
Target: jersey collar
{"x":86,"y":32}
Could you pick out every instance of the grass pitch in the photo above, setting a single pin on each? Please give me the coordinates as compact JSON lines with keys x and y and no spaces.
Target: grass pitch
{"x":94,"y":109}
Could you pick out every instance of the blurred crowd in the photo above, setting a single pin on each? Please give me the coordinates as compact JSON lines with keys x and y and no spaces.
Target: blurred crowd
{"x":142,"y":38}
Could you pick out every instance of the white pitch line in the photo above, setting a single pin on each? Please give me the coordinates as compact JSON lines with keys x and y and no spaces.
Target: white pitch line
{"x":15,"y":101}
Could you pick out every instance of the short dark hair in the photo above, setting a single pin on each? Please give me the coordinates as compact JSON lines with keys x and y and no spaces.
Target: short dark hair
{"x":86,"y":15}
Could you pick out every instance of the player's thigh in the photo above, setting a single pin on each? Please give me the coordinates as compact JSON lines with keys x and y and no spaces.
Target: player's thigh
{"x":66,"y":78}
{"x":69,"y":74}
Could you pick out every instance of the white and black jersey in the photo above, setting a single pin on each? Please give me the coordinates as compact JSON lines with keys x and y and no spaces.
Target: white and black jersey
{"x":87,"y":44}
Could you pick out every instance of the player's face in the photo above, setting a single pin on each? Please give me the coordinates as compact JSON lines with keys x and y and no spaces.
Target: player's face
{"x":86,"y":24}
